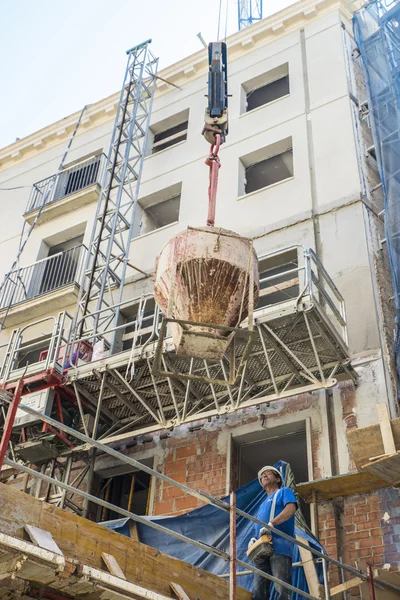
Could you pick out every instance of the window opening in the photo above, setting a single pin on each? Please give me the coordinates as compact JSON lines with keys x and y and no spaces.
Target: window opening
{"x":267,"y":93}
{"x":278,"y":280}
{"x":170,"y":137}
{"x":140,"y":327}
{"x":130,"y":491}
{"x":266,"y":172}
{"x":160,"y":214}
{"x":290,"y":447}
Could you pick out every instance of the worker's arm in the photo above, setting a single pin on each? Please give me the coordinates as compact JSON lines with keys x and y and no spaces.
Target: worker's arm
{"x":285,"y":515}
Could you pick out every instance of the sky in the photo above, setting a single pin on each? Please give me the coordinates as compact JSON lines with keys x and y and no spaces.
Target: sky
{"x":57,"y":56}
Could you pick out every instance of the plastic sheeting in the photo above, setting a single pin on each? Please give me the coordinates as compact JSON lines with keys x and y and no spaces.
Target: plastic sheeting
{"x":377,"y":34}
{"x":211,"y":525}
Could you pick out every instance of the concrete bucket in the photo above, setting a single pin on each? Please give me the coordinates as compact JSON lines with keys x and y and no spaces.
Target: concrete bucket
{"x":204,"y":276}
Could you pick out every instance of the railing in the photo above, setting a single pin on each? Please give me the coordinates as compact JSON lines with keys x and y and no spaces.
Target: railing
{"x":69,"y":181}
{"x":43,"y":276}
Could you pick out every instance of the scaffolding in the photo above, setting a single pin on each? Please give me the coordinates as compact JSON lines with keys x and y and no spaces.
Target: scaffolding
{"x":376,"y":30}
{"x":231,"y":557}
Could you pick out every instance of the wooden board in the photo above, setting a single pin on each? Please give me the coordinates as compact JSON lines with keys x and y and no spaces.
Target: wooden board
{"x":386,"y":428}
{"x":341,"y":485}
{"x":367,"y":442}
{"x":112,"y":565}
{"x":178,"y":591}
{"x":383,"y":593}
{"x":387,"y":468}
{"x":310,"y":571}
{"x":85,"y":541}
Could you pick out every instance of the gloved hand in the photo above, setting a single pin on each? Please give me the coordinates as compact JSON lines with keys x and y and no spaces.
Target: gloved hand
{"x":264,"y":531}
{"x":251,"y":542}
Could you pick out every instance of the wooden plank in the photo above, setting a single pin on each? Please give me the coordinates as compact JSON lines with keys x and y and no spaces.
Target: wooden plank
{"x":133,"y":531}
{"x":84,"y":541}
{"x":341,"y":485}
{"x":382,"y":593}
{"x":112,"y":565}
{"x":10,"y":564}
{"x":179,"y":591}
{"x":386,"y":429}
{"x":367,"y":442}
{"x":42,"y":538}
{"x":309,"y":568}
{"x":338,"y":589}
{"x":387,"y":468}
{"x":112,"y":583}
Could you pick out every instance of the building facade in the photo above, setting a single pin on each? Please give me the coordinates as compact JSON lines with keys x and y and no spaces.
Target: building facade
{"x":298,"y":173}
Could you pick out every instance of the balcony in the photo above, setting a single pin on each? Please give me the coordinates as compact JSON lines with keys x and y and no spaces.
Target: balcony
{"x":47,"y":285}
{"x":65,"y":191}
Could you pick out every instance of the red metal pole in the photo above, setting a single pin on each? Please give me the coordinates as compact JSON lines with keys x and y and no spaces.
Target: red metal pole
{"x":232,"y":550}
{"x":10,"y":418}
{"x":371,"y":586}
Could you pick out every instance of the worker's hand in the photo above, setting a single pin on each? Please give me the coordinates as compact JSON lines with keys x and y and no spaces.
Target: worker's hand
{"x":264,"y":531}
{"x":251,"y":542}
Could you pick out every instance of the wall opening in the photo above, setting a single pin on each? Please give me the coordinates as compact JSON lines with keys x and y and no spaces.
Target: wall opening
{"x":169,"y":132}
{"x":159,"y":209}
{"x":279,"y":278}
{"x":265,"y":88}
{"x":130,"y":491}
{"x":253,"y":451}
{"x":266,"y":166}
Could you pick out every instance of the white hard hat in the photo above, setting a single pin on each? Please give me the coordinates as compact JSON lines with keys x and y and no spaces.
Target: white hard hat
{"x":268,"y":468}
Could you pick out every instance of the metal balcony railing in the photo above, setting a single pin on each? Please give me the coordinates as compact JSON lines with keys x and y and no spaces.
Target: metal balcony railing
{"x":69,"y":181}
{"x":43,"y":276}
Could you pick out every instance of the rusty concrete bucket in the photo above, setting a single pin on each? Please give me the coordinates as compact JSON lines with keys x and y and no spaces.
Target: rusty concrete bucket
{"x":203,"y":286}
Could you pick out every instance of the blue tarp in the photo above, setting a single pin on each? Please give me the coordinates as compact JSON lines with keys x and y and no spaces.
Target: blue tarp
{"x":211,"y":525}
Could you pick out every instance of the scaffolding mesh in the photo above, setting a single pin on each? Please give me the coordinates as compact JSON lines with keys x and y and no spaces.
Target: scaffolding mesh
{"x":377,"y":34}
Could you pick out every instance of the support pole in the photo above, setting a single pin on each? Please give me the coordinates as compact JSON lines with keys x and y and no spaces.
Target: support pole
{"x":232,"y":550}
{"x":9,"y":422}
{"x":371,"y":586}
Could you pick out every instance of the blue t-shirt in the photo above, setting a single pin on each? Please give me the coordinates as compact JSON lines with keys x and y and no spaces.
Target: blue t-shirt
{"x":283,"y":496}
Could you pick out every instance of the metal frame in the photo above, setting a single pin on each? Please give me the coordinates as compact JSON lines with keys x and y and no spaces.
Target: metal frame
{"x":233,"y":511}
{"x":114,"y":220}
{"x":249,"y":11}
{"x":299,"y":345}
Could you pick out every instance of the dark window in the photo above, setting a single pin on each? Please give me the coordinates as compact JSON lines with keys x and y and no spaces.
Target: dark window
{"x":170,"y":137}
{"x":267,"y":93}
{"x":278,"y":281}
{"x":130,"y":491}
{"x":160,"y":214}
{"x":269,"y":171}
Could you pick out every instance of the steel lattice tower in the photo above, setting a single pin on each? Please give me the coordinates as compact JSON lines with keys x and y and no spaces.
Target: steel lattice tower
{"x":114,"y":222}
{"x":249,"y":11}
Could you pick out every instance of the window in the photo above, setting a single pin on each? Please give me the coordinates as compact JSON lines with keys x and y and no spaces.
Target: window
{"x":169,"y":132}
{"x":129,"y":491}
{"x":159,"y":209}
{"x":266,"y":166}
{"x":139,"y":326}
{"x":78,"y":176}
{"x":278,"y":280}
{"x":265,"y":88}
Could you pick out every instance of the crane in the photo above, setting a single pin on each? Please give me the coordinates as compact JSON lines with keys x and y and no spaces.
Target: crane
{"x":249,"y":11}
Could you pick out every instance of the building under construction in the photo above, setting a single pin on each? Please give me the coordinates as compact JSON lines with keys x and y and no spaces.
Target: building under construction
{"x":154,"y":358}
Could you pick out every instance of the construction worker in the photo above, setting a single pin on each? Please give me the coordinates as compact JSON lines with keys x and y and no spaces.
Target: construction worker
{"x":278,"y":510}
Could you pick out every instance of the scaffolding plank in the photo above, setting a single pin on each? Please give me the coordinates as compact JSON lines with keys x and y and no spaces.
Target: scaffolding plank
{"x":387,"y":468}
{"x":112,"y":565}
{"x":341,"y":485}
{"x":380,"y":592}
{"x":343,"y":587}
{"x":85,"y":542}
{"x":310,"y":571}
{"x":179,"y":591}
{"x":367,"y":442}
{"x":386,"y":428}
